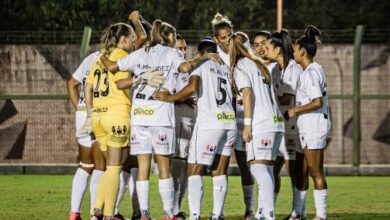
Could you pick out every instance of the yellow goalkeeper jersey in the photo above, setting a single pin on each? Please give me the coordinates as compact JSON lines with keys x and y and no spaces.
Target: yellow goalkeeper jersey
{"x":106,"y":97}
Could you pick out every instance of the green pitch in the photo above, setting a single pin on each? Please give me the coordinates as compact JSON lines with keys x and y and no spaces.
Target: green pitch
{"x":48,"y":197}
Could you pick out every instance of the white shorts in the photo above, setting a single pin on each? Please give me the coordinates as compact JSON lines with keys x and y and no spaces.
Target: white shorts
{"x":206,"y":143}
{"x":239,"y":145}
{"x":263,"y":146}
{"x":184,"y":127}
{"x":289,"y":145}
{"x":83,"y":140}
{"x":313,"y":142}
{"x":152,"y":139}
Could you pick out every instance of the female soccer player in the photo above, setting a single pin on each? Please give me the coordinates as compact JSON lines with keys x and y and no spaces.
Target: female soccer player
{"x":222,"y":30}
{"x":263,"y":122}
{"x":312,"y":111}
{"x":75,"y":87}
{"x":215,"y":128}
{"x":279,"y":50}
{"x":185,"y":112}
{"x":153,"y":121}
{"x":110,"y":107}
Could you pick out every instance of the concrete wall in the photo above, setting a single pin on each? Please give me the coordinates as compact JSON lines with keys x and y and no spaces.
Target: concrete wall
{"x":49,"y":136}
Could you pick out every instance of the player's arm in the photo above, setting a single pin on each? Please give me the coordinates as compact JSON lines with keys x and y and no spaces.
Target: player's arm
{"x":189,"y":65}
{"x":285,"y":99}
{"x":248,"y":108}
{"x":313,"y":105}
{"x":186,"y":92}
{"x":73,"y":91}
{"x":135,"y":18}
{"x":88,"y":92}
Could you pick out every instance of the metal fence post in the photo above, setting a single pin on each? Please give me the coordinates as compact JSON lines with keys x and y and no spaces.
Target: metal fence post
{"x":85,"y":42}
{"x":356,"y":95}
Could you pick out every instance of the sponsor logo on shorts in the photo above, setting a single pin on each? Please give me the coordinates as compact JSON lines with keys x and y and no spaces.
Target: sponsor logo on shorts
{"x":119,"y":130}
{"x":225,"y":116}
{"x":100,"y":110}
{"x":162,"y":140}
{"x":278,"y":118}
{"x":144,"y":111}
{"x":210,"y":151}
{"x":134,"y":140}
{"x":265,"y":144}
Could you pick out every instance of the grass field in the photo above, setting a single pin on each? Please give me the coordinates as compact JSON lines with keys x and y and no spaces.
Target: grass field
{"x":47,"y":197}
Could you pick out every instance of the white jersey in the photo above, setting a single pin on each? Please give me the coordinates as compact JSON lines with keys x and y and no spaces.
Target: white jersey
{"x":288,"y":85}
{"x":145,"y":110}
{"x":81,"y":75}
{"x":215,"y":109}
{"x":266,"y":113}
{"x":311,"y":85}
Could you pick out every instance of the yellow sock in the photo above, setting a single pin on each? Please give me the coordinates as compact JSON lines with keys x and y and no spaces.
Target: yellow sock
{"x":111,"y":189}
{"x":99,"y":203}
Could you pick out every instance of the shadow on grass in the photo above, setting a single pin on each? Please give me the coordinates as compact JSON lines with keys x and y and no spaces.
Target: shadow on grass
{"x":344,"y":216}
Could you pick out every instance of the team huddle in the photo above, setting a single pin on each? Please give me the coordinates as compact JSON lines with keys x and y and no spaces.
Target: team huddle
{"x":140,"y":99}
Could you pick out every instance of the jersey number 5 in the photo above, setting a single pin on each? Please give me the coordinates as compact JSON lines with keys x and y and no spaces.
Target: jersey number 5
{"x":98,"y":91}
{"x":222,"y":91}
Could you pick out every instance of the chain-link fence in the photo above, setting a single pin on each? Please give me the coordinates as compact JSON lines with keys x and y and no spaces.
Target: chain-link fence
{"x":37,"y":120}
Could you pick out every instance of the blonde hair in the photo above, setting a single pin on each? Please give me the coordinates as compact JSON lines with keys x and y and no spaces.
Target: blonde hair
{"x":237,"y":51}
{"x":220,"y":22}
{"x":160,"y":33}
{"x":112,"y":34}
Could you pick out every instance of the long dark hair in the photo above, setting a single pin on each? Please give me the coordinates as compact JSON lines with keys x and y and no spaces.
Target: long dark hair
{"x":282,"y":39}
{"x":112,"y":34}
{"x":310,"y":40}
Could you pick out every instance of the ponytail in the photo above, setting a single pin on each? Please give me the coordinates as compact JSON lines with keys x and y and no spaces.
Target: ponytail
{"x":160,"y":33}
{"x":282,"y":39}
{"x":112,"y":34}
{"x":310,"y":40}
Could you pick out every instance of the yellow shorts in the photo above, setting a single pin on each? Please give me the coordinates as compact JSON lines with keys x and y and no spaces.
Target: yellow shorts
{"x":111,"y":130}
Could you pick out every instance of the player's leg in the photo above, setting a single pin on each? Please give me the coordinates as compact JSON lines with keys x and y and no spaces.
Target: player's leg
{"x":301,"y":186}
{"x":117,"y":129}
{"x":141,"y":148}
{"x":80,"y":181}
{"x":247,"y":180}
{"x":219,"y":169}
{"x":261,"y":154}
{"x":164,"y":147}
{"x":123,"y":183}
{"x":195,"y":189}
{"x":133,"y":165}
{"x":315,"y":163}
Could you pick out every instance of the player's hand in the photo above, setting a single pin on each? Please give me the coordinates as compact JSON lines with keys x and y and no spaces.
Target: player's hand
{"x":290,"y":113}
{"x":153,"y":77}
{"x":214,"y":57}
{"x":86,"y":128}
{"x":247,"y":133}
{"x":162,"y":95}
{"x":134,"y":16}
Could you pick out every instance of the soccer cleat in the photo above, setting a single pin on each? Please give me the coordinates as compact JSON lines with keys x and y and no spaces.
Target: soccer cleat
{"x":97,"y":214}
{"x":318,"y":218}
{"x":74,"y":216}
{"x":119,"y":217}
{"x":248,"y":215}
{"x":135,"y":216}
{"x":109,"y":218}
{"x":213,"y":217}
{"x":181,"y":216}
{"x":145,"y":215}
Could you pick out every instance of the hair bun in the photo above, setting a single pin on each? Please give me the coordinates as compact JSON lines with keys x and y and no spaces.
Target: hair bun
{"x":313,"y":33}
{"x":219,"y":18}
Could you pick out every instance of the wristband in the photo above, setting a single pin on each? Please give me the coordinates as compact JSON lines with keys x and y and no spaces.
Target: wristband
{"x":247,"y":121}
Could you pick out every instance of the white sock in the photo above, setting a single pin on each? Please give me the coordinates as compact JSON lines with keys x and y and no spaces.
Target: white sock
{"x":133,"y":191}
{"x":167,"y":192}
{"x":299,"y":199}
{"x":264,"y":176}
{"x":249,"y":197}
{"x":179,"y":182}
{"x":93,"y":186}
{"x":320,"y":202}
{"x":220,"y":191}
{"x":123,"y":182}
{"x":195,"y":194}
{"x":142,"y":188}
{"x":79,"y":185}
